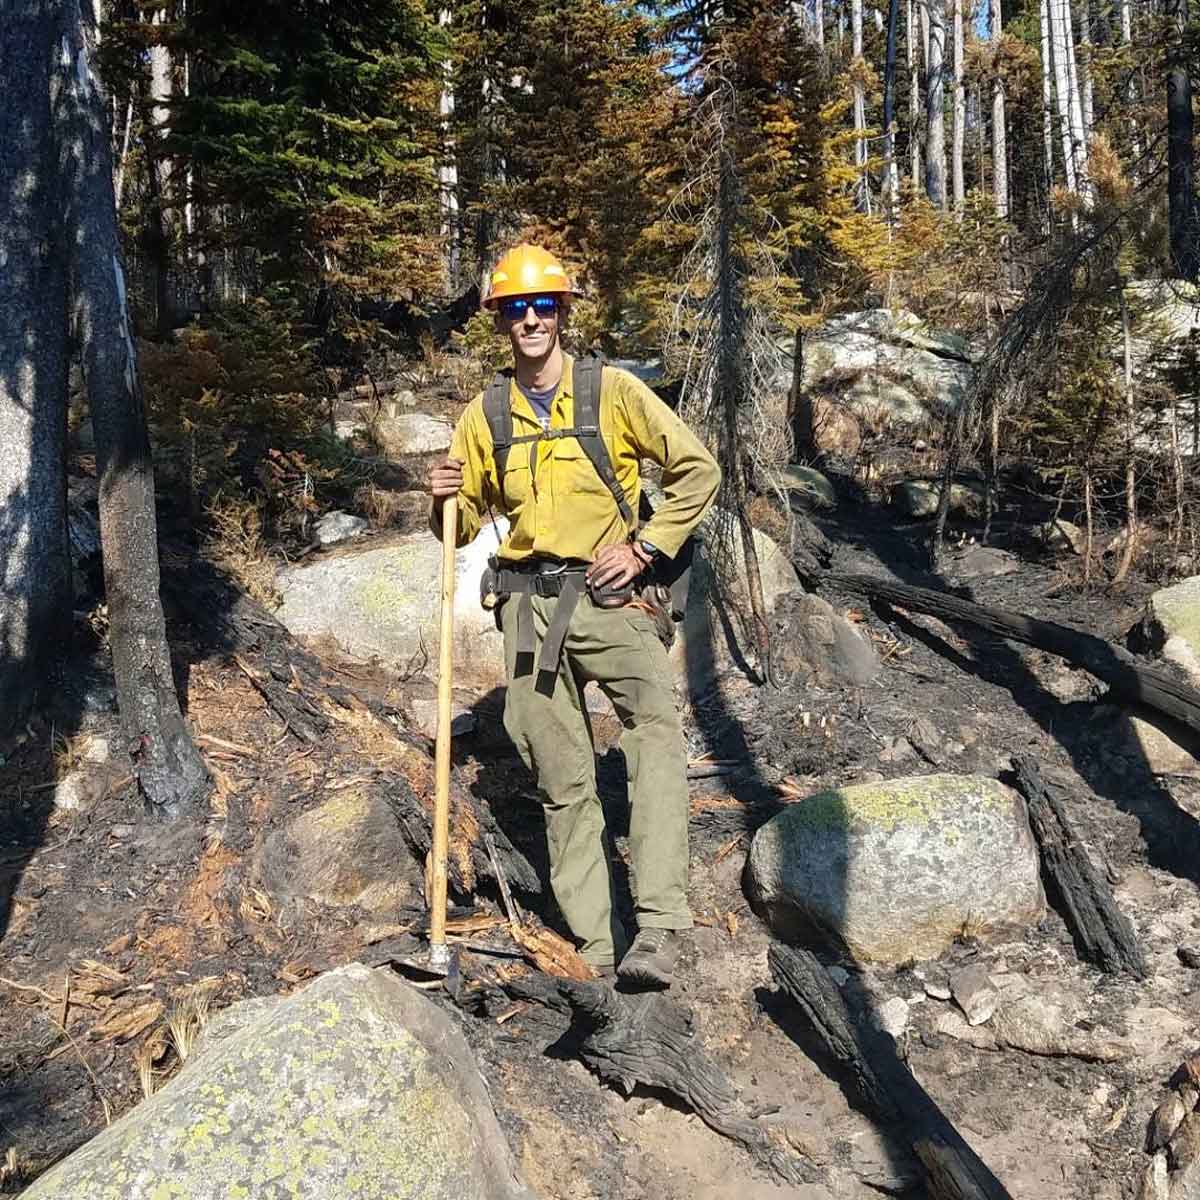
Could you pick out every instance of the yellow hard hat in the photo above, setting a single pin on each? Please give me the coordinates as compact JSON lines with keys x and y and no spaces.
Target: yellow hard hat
{"x":525,"y":271}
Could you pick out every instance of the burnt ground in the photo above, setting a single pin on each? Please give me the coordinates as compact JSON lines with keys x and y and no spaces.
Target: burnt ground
{"x":107,"y":922}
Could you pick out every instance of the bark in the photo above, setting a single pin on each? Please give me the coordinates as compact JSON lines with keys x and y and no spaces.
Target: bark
{"x":891,"y":174}
{"x":171,"y":773}
{"x":1059,"y":14}
{"x":1080,"y":133}
{"x":801,"y":416}
{"x":1131,"y":514}
{"x":912,"y":27}
{"x":448,"y":169}
{"x":953,"y":1171}
{"x":999,"y":133}
{"x":1182,"y":205}
{"x":159,"y":233}
{"x":861,"y":185}
{"x":960,"y":110}
{"x":935,"y":118}
{"x":35,"y":567}
{"x":819,"y":22}
{"x":1101,"y":931}
{"x":1047,"y":98}
{"x":1086,"y":90}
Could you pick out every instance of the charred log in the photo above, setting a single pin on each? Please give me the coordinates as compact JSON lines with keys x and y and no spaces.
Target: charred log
{"x":1101,"y":930}
{"x":952,"y":1169}
{"x":648,"y":1039}
{"x":1130,"y":680}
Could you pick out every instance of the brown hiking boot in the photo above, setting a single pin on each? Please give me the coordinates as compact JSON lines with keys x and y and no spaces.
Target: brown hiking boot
{"x":651,"y":958}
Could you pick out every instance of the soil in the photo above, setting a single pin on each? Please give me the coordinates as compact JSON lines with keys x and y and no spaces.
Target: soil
{"x":108,"y":921}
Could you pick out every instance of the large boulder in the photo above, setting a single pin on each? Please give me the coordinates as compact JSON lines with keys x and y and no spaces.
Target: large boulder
{"x":897,"y":870}
{"x":716,"y":634}
{"x":347,"y":850}
{"x":813,"y":643}
{"x":889,"y":365}
{"x":382,"y":598}
{"x":1172,"y":624}
{"x":356,"y":1088}
{"x":412,"y":433}
{"x":805,"y":486}
{"x":919,"y":498}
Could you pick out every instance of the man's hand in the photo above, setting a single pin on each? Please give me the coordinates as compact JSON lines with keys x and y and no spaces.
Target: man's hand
{"x":616,"y":566}
{"x":446,"y":479}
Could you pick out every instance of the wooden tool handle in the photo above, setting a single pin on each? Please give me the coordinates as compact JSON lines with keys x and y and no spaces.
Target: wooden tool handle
{"x":441,"y":802}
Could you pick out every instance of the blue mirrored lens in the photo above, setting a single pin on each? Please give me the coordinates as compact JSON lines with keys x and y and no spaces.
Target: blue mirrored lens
{"x":543,"y":306}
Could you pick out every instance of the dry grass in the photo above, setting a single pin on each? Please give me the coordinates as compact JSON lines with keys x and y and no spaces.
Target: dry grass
{"x":236,"y":544}
{"x":187,"y":1018}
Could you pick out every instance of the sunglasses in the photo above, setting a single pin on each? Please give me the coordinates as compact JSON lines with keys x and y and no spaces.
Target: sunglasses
{"x":514,"y":309}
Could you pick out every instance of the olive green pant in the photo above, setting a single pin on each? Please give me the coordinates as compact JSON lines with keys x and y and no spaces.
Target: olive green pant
{"x":618,"y":650}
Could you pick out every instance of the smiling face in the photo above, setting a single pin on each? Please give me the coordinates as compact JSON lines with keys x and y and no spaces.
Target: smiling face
{"x":533,"y":324}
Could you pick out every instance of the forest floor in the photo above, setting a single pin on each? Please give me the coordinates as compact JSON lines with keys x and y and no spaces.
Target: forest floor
{"x":106,"y":921}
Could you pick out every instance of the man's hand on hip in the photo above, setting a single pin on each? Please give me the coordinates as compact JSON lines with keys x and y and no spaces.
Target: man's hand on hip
{"x":446,"y":479}
{"x":616,"y":566}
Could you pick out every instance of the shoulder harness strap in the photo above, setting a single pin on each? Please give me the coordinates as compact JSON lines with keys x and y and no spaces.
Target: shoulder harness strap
{"x":498,"y":410}
{"x":588,"y":376}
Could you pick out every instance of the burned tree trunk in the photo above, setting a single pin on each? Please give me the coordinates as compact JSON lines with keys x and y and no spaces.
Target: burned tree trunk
{"x":953,"y":1171}
{"x":35,"y":565}
{"x":171,"y":773}
{"x":1100,"y":929}
{"x":1129,"y":679}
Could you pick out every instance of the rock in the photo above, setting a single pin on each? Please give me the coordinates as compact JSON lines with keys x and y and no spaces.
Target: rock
{"x":1154,"y":1185}
{"x":1062,"y":535}
{"x":1172,"y":624}
{"x":886,"y":367}
{"x":892,"y":1016}
{"x":807,"y":485}
{"x":896,"y":749}
{"x":973,"y":993}
{"x":355,"y":1088}
{"x":384,"y":599}
{"x":1189,"y":956}
{"x":1184,"y":1149}
{"x":412,"y":433}
{"x":338,"y":526}
{"x":898,"y":870}
{"x":982,"y":562}
{"x":85,"y":785}
{"x":1167,"y":1118}
{"x":937,"y":986}
{"x":715,"y":635}
{"x":919,"y":498}
{"x":839,"y":975}
{"x":815,"y":644}
{"x":1163,"y":746}
{"x":425,"y":713}
{"x":927,"y":741}
{"x":348,"y":850}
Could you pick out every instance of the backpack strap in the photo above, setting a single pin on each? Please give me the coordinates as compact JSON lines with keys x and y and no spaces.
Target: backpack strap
{"x":498,"y":411}
{"x":585,"y":383}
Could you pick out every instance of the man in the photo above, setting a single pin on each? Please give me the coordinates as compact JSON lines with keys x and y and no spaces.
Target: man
{"x":570,"y":551}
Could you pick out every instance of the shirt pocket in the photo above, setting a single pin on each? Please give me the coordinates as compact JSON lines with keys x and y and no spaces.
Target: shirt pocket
{"x":517,"y":482}
{"x":575,"y":474}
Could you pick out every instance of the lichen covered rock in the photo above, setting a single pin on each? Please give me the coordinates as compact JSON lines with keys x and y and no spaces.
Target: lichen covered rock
{"x":897,"y":870}
{"x":356,"y":1088}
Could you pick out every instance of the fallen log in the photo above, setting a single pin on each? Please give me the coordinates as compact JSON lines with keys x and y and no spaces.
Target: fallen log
{"x":1102,"y":932}
{"x":953,"y":1171}
{"x":1130,"y":680}
{"x":312,"y":704}
{"x":649,"y":1039}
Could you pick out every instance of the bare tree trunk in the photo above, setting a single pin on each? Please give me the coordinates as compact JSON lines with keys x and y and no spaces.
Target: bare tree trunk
{"x":1047,"y":100}
{"x":119,"y":174}
{"x":1089,"y":527}
{"x":1183,"y":209}
{"x":172,"y":775}
{"x":960,"y":110}
{"x":935,"y":104}
{"x":35,"y":564}
{"x":1131,"y":515}
{"x":1080,"y":134}
{"x":912,"y":30}
{"x":999,"y":133}
{"x":160,"y":233}
{"x":819,"y":22}
{"x":801,"y":418}
{"x":891,"y":174}
{"x":861,"y":184}
{"x":448,"y":170}
{"x":1060,"y":20}
{"x":1086,"y":90}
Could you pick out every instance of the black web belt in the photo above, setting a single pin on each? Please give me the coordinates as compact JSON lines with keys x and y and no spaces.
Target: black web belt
{"x":566,"y":581}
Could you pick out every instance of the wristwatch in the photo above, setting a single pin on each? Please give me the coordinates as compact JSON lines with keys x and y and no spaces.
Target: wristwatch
{"x":650,"y":550}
